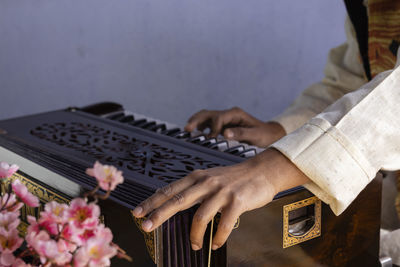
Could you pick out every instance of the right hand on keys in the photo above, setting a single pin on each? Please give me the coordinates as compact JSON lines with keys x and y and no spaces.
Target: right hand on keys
{"x":236,"y":124}
{"x":231,"y":190}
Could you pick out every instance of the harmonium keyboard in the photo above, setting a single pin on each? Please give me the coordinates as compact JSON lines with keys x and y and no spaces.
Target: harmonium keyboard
{"x":53,"y":150}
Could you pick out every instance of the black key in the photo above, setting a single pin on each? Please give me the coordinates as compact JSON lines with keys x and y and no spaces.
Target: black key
{"x":197,"y":139}
{"x":138,"y":123}
{"x":127,"y":118}
{"x":208,"y":142}
{"x":148,"y":125}
{"x":248,"y":153}
{"x":235,"y":150}
{"x":171,"y":132}
{"x":221,"y":146}
{"x":117,"y":116}
{"x":181,"y":135}
{"x":158,"y":128}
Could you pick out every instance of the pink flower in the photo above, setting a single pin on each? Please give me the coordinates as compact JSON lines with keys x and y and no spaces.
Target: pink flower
{"x":9,"y":220}
{"x":107,"y":176}
{"x":68,"y":234}
{"x":104,"y":233}
{"x":82,"y":214}
{"x":53,"y":218}
{"x":48,"y":250}
{"x":33,"y":227}
{"x":9,"y":203}
{"x":6,"y":259}
{"x":96,"y":252}
{"x":20,"y":263}
{"x":55,"y":212}
{"x":84,"y":236}
{"x":9,"y":241}
{"x":64,"y":245}
{"x":22,"y":193}
{"x":50,"y":226}
{"x":99,"y":232}
{"x":6,"y":171}
{"x":33,"y":237}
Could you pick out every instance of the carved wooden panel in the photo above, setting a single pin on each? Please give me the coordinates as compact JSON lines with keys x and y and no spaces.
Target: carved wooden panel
{"x":121,"y":150}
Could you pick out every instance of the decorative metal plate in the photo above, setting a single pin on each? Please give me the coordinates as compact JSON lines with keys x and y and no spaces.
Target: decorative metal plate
{"x":313,"y":232}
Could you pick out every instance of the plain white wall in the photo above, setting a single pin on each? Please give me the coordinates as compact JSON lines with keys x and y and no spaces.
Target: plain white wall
{"x":163,"y":58}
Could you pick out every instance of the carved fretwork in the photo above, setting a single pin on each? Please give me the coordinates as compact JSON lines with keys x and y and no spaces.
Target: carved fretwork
{"x":122,"y":151}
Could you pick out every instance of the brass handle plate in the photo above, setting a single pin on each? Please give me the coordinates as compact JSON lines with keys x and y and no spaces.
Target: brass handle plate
{"x":309,"y":221}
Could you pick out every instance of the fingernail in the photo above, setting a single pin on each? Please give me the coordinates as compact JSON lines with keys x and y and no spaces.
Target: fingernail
{"x":214,"y":247}
{"x":195,"y":247}
{"x":229,"y":134}
{"x":137,"y":211}
{"x":146,"y":225}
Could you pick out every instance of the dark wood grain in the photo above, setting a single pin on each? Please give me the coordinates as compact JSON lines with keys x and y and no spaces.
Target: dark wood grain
{"x":351,"y":239}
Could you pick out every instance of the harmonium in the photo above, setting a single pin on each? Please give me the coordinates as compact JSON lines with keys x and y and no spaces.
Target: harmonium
{"x":53,"y":149}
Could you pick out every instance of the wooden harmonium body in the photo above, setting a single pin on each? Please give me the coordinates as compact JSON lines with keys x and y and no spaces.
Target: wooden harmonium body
{"x":53,"y":150}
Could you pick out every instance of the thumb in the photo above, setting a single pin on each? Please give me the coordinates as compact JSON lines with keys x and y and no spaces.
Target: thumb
{"x":242,"y":134}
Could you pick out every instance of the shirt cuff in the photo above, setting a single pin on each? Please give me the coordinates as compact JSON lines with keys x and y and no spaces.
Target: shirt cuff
{"x":337,"y":170}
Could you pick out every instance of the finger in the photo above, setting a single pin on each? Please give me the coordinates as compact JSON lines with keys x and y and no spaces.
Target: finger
{"x":242,"y":134}
{"x":217,"y":124}
{"x":204,"y":125}
{"x":204,"y":214}
{"x":165,"y":193}
{"x":178,"y":202}
{"x":228,"y":220}
{"x":198,"y":118}
{"x":228,"y":118}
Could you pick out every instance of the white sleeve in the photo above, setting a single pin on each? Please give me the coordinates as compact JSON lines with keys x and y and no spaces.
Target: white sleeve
{"x":343,"y":73}
{"x":342,"y":148}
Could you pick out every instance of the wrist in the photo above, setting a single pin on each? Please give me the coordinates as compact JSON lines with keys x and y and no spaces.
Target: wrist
{"x":276,"y":128}
{"x":279,"y":172}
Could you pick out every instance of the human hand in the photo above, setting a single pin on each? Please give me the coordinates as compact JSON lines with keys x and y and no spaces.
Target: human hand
{"x":230,"y":190}
{"x":236,"y":124}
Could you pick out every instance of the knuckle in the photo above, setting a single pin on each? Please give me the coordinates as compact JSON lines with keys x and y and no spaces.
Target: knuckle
{"x":145,"y":206}
{"x":226,"y":191}
{"x":239,"y":131}
{"x":212,"y":182}
{"x":178,"y":199}
{"x":197,"y":172}
{"x":217,"y":120}
{"x":200,"y":218}
{"x":236,"y":109}
{"x":224,"y":228}
{"x":155,"y":217}
{"x":166,"y":190}
{"x":237,"y":200}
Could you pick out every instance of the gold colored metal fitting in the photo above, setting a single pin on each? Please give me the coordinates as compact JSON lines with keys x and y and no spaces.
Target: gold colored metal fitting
{"x":289,"y":237}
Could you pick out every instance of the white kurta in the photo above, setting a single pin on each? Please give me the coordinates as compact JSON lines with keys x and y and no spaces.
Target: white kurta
{"x":343,"y":130}
{"x":341,"y":146}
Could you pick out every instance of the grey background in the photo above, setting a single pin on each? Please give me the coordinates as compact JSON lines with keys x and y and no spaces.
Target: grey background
{"x":163,"y":58}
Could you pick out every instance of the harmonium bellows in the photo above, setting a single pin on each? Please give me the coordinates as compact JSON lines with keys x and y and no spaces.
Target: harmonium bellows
{"x":54,"y":148}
